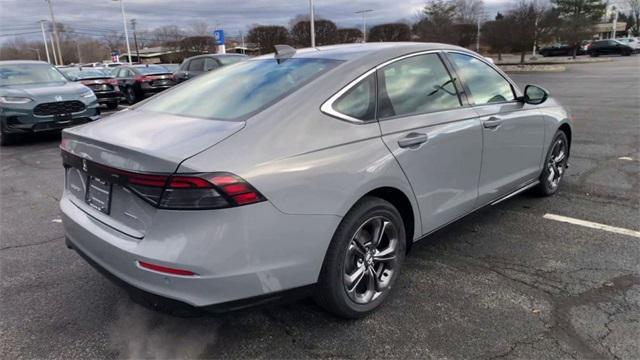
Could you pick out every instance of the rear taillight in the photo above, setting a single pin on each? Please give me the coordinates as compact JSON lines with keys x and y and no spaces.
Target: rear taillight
{"x":193,"y":192}
{"x":113,"y":82}
{"x":178,"y":191}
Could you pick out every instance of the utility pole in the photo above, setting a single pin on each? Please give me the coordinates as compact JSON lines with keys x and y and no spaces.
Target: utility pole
{"x":312,"y":22}
{"x":135,"y":38}
{"x":126,"y":33}
{"x":535,"y":29}
{"x":55,"y":32}
{"x":44,"y":39}
{"x":242,"y":39}
{"x":615,"y":21}
{"x":37,"y":52}
{"x":53,"y":51}
{"x":364,"y":23}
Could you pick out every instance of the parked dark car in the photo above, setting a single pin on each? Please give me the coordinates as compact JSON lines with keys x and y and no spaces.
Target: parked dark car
{"x":197,"y":65}
{"x":140,"y":81}
{"x":559,"y":50}
{"x":103,"y":84}
{"x":609,"y":47}
{"x":36,"y":97}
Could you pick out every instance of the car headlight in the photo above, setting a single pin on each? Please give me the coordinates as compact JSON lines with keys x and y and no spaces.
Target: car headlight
{"x":14,"y":100}
{"x":87,"y":93}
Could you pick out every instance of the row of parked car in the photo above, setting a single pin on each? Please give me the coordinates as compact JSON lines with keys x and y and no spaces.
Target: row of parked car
{"x":621,"y":46}
{"x":36,"y":96}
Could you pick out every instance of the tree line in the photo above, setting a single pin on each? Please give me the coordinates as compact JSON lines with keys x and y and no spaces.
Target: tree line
{"x":458,"y":22}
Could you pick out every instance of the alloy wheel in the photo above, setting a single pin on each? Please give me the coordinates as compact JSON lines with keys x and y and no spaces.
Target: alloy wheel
{"x":370,"y":260}
{"x":557,"y":163}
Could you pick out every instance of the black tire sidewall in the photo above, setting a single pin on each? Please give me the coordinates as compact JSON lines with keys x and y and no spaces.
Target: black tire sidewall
{"x":131,"y":96}
{"x":331,"y":288}
{"x":545,"y":188}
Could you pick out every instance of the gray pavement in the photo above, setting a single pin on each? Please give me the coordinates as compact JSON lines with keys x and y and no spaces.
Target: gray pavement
{"x":501,"y":283}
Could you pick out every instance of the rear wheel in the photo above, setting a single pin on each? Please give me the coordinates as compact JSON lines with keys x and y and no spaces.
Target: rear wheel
{"x":132,"y":98}
{"x":363,"y":260}
{"x":555,"y":165}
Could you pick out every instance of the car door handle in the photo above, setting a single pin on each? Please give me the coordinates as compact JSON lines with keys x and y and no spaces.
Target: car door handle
{"x":492,"y":123}
{"x":413,"y":139}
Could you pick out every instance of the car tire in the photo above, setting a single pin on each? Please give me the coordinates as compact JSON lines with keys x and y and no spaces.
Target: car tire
{"x":132,"y":98}
{"x":352,"y":282}
{"x":555,"y":165}
{"x":112,"y":105}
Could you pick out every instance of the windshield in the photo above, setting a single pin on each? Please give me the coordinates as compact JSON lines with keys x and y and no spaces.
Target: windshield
{"x":22,"y":74}
{"x":239,"y":90}
{"x":77,"y":74}
{"x":154,"y":69}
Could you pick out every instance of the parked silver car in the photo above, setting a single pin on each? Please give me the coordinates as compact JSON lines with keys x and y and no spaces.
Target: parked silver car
{"x":303,"y":172}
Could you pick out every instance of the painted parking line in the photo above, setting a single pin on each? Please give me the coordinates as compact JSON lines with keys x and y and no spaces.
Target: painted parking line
{"x":593,"y":225}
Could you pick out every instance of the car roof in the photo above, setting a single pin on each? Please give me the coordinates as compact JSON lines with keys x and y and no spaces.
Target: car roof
{"x":379,"y":50}
{"x":19,"y":62}
{"x":215,"y":56}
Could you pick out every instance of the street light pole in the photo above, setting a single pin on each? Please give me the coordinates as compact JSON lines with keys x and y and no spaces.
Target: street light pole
{"x":135,"y":38}
{"x":126,"y":33}
{"x":44,"y":39}
{"x":615,"y":22}
{"x":55,"y":33}
{"x":364,"y":23}
{"x":312,"y":22}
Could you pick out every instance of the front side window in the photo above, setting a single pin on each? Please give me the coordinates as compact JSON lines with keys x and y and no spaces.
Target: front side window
{"x":485,"y":84}
{"x":359,"y":102}
{"x":415,"y":85}
{"x":235,"y":92}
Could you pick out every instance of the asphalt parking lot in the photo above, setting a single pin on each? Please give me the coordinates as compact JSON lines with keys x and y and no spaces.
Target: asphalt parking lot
{"x":502,"y":283}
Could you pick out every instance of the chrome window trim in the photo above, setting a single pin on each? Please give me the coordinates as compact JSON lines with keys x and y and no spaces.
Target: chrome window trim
{"x":327,"y":106}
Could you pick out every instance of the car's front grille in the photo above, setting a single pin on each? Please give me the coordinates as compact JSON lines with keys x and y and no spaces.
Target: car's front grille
{"x":60,"y":107}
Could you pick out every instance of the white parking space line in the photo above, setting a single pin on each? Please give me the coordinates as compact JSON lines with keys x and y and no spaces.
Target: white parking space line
{"x":593,"y":225}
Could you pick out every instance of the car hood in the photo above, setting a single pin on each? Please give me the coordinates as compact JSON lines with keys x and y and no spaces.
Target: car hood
{"x":45,"y":92}
{"x":145,"y":141}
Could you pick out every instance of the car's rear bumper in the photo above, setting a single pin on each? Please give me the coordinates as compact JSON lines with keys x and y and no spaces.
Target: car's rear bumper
{"x":251,"y":252}
{"x":108,"y":96}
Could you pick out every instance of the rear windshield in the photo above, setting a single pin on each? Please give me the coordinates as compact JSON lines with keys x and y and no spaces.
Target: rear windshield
{"x":239,"y":90}
{"x":155,"y":69}
{"x":76,"y":74}
{"x":22,"y":74}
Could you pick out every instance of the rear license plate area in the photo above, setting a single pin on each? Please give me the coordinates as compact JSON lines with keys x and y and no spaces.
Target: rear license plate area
{"x":99,"y":194}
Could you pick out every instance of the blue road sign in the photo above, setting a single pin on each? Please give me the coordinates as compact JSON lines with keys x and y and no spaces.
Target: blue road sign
{"x":218,"y":35}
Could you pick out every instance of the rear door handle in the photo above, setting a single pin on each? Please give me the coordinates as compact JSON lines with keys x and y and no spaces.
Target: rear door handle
{"x":413,"y":139}
{"x":492,"y":123}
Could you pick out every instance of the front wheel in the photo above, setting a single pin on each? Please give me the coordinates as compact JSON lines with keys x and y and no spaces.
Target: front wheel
{"x":555,"y":165}
{"x":363,"y":260}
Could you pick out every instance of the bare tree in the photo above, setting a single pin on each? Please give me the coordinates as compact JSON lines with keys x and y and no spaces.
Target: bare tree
{"x":497,"y":34}
{"x":326,"y":33}
{"x":268,"y":36}
{"x":468,"y":11}
{"x":436,"y":22}
{"x":347,"y":36}
{"x":390,"y":32}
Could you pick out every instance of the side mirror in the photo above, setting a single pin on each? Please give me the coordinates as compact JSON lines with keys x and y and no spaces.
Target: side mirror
{"x":535,"y":95}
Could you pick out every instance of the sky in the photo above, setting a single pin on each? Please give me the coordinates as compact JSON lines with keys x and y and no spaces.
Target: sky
{"x":96,"y":17}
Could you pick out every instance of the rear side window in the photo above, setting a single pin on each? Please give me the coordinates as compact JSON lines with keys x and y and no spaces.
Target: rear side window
{"x":359,"y":102}
{"x":236,"y":92}
{"x":210,"y":64}
{"x":485,"y":84}
{"x":196,"y":65}
{"x":415,"y":85}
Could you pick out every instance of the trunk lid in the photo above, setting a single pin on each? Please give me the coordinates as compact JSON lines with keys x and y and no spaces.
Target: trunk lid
{"x":131,"y":141}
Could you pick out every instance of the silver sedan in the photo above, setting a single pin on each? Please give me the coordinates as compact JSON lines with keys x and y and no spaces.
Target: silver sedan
{"x":303,"y":172}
